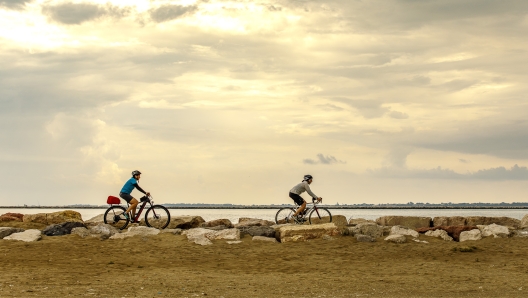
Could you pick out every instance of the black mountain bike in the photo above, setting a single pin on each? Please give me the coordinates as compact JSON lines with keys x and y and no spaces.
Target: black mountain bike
{"x":316,"y":215}
{"x":156,"y":216}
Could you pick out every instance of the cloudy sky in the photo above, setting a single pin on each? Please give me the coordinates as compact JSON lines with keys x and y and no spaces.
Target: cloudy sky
{"x":234,"y":101}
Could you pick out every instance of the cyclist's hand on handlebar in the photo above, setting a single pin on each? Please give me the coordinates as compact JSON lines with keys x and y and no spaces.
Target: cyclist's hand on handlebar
{"x":147,"y":194}
{"x":319,"y":199}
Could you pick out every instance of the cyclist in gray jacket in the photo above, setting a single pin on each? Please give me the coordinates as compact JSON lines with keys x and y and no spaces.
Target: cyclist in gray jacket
{"x":297,"y":190}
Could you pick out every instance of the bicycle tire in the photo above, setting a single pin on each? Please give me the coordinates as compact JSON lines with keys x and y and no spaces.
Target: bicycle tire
{"x":157,"y":217}
{"x":320,"y":216}
{"x":284,"y":216}
{"x":114,"y":218}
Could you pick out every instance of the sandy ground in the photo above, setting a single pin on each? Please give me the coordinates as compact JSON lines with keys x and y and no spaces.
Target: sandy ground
{"x":169,"y":266}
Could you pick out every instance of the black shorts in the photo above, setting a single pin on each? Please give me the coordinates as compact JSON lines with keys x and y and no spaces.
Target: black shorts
{"x":297,"y":198}
{"x":126,"y":196}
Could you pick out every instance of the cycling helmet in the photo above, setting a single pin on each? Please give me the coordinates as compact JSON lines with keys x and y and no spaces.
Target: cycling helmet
{"x":307,"y":177}
{"x":136,"y":172}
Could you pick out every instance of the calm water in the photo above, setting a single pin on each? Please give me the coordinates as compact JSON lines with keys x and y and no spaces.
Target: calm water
{"x":269,"y":214}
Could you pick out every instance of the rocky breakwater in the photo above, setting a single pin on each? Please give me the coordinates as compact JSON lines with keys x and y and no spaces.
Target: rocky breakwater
{"x":293,"y":233}
{"x":53,"y":218}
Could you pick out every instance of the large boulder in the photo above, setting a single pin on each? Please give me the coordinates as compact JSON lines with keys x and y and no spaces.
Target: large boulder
{"x":11,"y":217}
{"x":62,"y":228}
{"x":413,"y":222}
{"x":265,"y":231}
{"x":136,"y":231}
{"x":484,"y":221}
{"x":249,"y":222}
{"x":449,"y":221}
{"x":218,"y":222}
{"x":26,"y":236}
{"x":289,"y":233}
{"x":185,"y":222}
{"x":398,"y":230}
{"x":5,"y":231}
{"x":356,"y":221}
{"x":453,"y":231}
{"x":396,"y":239}
{"x":204,"y":236}
{"x":524,"y":222}
{"x":470,"y":235}
{"x":494,"y":230}
{"x":439,"y":234}
{"x":369,"y":229}
{"x":54,"y":218}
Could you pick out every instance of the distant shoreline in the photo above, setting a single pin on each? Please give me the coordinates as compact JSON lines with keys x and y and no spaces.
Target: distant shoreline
{"x":276,"y":207}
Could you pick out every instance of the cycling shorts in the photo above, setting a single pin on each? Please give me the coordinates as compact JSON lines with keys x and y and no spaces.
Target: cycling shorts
{"x":126,"y":196}
{"x":297,"y":198}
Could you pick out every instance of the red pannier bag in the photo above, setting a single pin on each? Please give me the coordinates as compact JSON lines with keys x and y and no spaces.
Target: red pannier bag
{"x":113,"y":200}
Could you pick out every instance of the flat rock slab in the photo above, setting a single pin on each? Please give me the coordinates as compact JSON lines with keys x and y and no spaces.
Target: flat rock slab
{"x":54,"y":218}
{"x":289,"y":233}
{"x":5,"y":231}
{"x":396,"y":239}
{"x":136,"y":231}
{"x":265,"y":231}
{"x":265,"y":239}
{"x":366,"y":228}
{"x":356,"y":221}
{"x":204,"y":236}
{"x":26,"y":236}
{"x":413,"y":222}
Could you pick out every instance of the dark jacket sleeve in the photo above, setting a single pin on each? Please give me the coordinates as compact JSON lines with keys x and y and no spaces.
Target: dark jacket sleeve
{"x":139,"y":188}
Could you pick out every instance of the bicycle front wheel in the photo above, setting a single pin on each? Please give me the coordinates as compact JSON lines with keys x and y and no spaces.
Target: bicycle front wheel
{"x":157,"y":217}
{"x":320,"y":216}
{"x":284,"y":216}
{"x":114,"y":217}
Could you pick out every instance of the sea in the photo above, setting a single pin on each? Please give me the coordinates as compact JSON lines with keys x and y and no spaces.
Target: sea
{"x":269,"y":214}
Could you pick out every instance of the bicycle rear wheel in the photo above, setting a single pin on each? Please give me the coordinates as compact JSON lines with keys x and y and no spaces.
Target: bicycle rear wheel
{"x":320,"y":216}
{"x":157,"y":217}
{"x":114,"y":217}
{"x":284,"y":216}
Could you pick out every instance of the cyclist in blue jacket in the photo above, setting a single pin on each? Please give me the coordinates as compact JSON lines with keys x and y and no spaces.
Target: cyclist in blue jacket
{"x":127,"y":190}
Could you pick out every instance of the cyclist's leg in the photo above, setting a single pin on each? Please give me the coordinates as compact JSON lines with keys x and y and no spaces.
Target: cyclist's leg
{"x":132,"y":208}
{"x":299,"y":201}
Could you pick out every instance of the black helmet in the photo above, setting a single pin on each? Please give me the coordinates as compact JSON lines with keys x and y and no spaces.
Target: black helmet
{"x":136,"y":172}
{"x":307,"y":177}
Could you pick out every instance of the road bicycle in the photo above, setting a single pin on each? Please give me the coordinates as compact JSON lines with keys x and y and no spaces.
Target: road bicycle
{"x":316,"y":215}
{"x":156,"y":216}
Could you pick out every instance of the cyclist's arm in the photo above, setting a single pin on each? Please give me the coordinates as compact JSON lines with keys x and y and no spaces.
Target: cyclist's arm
{"x":309,"y":191}
{"x":139,"y":188}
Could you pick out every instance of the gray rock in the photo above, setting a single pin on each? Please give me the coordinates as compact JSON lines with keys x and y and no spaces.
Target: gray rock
{"x":494,"y":230}
{"x":6,"y":231}
{"x":136,"y":231}
{"x":26,"y":236}
{"x":327,"y":237}
{"x":81,"y":232}
{"x":233,"y":242}
{"x":62,"y":228}
{"x":396,"y":238}
{"x":439,"y":234}
{"x":365,"y":238}
{"x":369,"y":229}
{"x":218,"y":222}
{"x":414,"y":222}
{"x":398,"y":230}
{"x":186,"y":222}
{"x":248,"y":222}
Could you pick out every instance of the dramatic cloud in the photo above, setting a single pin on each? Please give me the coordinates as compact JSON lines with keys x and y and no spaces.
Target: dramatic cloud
{"x":205,"y":96}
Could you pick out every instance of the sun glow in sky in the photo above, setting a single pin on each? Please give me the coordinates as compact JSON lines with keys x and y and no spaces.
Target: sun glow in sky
{"x":234,"y":101}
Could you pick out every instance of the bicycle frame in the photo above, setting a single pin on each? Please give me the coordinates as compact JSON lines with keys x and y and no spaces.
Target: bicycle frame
{"x":141,"y":207}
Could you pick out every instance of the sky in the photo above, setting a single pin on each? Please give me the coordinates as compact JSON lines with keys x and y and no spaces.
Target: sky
{"x":389,"y":101}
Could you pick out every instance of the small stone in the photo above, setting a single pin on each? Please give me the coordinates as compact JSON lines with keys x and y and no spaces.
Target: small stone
{"x":396,"y":238}
{"x":265,"y":239}
{"x":234,"y":242}
{"x":365,"y":238}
